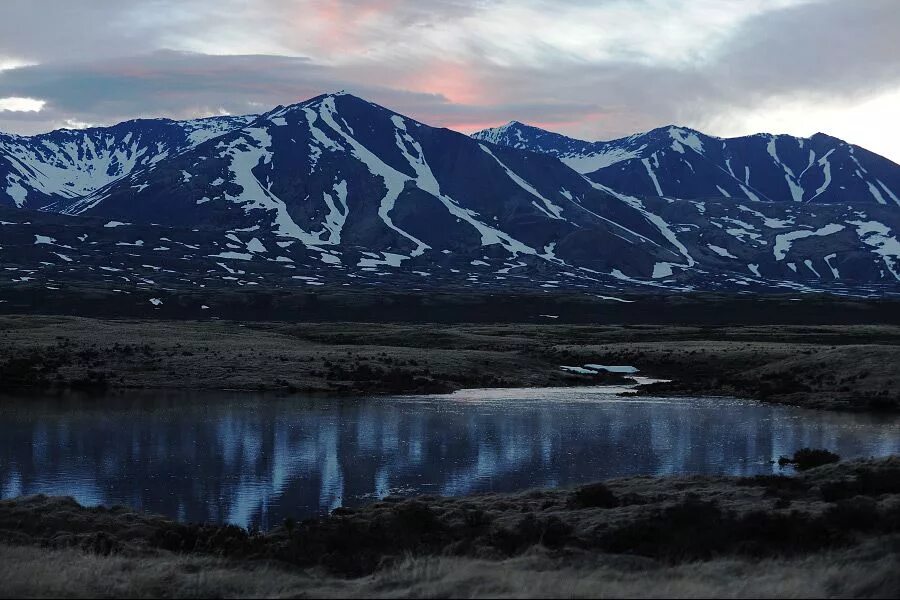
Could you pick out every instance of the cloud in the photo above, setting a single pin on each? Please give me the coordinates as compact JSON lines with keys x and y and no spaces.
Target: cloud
{"x":593,"y":69}
{"x":15,"y":104}
{"x":832,"y":49}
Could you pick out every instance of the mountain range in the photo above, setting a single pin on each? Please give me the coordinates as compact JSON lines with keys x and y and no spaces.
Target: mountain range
{"x":340,"y":191}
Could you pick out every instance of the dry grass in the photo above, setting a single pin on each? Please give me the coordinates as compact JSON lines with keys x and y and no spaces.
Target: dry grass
{"x":832,"y":531}
{"x":35,"y":572}
{"x":869,"y":571}
{"x":650,"y":523}
{"x":844,"y":367}
{"x":349,"y":358}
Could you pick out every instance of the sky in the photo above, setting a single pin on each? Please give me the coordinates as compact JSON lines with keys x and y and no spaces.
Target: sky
{"x":592,"y":69}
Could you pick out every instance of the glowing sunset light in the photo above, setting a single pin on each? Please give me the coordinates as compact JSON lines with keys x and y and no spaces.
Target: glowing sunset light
{"x":592,"y":70}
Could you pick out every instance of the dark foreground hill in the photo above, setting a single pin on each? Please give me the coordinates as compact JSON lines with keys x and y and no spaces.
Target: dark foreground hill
{"x":828,"y":532}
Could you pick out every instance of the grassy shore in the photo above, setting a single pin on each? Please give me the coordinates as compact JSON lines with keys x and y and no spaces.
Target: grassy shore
{"x":829,"y":531}
{"x":845,"y":367}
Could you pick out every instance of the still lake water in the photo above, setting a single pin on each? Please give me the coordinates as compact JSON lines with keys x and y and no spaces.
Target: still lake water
{"x":254,"y":459}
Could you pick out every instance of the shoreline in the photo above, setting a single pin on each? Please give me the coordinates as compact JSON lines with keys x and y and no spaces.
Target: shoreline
{"x":837,"y":367}
{"x":635,"y":528}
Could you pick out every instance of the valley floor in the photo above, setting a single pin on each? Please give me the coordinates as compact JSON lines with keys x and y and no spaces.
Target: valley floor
{"x":844,"y":367}
{"x":833,"y":531}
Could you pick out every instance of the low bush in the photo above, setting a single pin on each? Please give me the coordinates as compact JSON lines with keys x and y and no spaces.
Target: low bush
{"x":866,"y":483}
{"x":699,"y":530}
{"x":809,"y":458}
{"x":595,"y":495}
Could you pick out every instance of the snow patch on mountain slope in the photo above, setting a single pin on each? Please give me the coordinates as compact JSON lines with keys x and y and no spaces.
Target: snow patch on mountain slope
{"x":795,"y":188}
{"x":877,"y":235}
{"x":770,"y":222}
{"x":653,"y":218}
{"x":70,"y":164}
{"x":427,"y":182}
{"x":233,"y":255}
{"x":389,"y":259}
{"x":652,"y":175}
{"x":750,"y":195}
{"x":721,"y":251}
{"x":495,"y":135}
{"x":875,"y":193}
{"x":812,"y":160}
{"x":828,"y":259}
{"x":783,"y":241}
{"x":201,"y":130}
{"x":889,"y":192}
{"x":246,"y":153}
{"x":616,"y":273}
{"x":551,"y":210}
{"x":393,"y":179}
{"x":337,"y":213}
{"x":256,"y":246}
{"x":16,"y":191}
{"x":63,"y":169}
{"x":661,"y":270}
{"x":588,"y":163}
{"x":686,"y":138}
{"x":826,"y":170}
{"x":809,"y":265}
{"x":318,"y":135}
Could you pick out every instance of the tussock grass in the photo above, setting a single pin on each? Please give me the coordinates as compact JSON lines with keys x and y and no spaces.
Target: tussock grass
{"x":868,"y":572}
{"x":845,"y":367}
{"x":832,"y":530}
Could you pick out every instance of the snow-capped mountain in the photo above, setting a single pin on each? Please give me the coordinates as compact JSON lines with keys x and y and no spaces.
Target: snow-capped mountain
{"x":70,"y":163}
{"x":683,"y":163}
{"x":340,"y":191}
{"x":363,"y":185}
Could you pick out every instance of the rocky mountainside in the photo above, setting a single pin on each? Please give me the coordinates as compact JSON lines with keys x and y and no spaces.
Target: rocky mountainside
{"x":71,"y":163}
{"x":683,"y":163}
{"x":340,"y":191}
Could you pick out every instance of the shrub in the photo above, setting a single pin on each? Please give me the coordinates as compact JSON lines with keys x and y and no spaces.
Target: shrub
{"x":855,"y":513}
{"x":289,"y":524}
{"x":867,"y":483}
{"x":595,"y":495}
{"x":779,"y":486}
{"x":698,"y":530}
{"x":416,"y":518}
{"x":529,"y":531}
{"x":809,"y":458}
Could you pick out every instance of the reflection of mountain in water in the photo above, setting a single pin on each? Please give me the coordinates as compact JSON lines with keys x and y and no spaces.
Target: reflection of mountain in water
{"x":256,"y":460}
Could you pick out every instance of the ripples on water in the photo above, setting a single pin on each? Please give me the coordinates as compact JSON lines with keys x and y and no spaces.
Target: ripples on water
{"x":254,"y":459}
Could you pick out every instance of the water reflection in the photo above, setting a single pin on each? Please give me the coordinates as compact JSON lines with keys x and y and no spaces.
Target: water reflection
{"x":253,"y":460}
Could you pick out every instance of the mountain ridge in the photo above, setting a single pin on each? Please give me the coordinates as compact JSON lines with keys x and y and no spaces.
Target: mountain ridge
{"x":340,"y":190}
{"x":784,"y":167}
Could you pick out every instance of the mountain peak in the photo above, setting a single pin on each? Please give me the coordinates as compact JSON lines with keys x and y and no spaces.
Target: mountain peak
{"x":819,"y":135}
{"x":338,"y":186}
{"x":515,"y":133}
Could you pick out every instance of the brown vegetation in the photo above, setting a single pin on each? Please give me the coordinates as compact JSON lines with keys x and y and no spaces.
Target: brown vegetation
{"x":634,"y":536}
{"x":867,"y":571}
{"x":852,"y":367}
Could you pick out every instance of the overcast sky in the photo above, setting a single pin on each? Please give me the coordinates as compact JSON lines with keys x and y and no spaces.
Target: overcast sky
{"x":593,"y":69}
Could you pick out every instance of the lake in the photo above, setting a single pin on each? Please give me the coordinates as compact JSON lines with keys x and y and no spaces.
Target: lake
{"x":253,"y":460}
